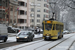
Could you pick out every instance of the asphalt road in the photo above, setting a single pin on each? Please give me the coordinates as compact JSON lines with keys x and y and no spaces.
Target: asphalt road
{"x":16,"y":43}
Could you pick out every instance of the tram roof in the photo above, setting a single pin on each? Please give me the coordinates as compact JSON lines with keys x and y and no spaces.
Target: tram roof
{"x":54,"y":22}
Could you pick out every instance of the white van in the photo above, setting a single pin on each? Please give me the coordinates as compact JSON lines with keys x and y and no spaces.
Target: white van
{"x":3,"y":33}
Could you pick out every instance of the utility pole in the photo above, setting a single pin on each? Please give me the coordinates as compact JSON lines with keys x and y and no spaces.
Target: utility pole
{"x":53,"y":9}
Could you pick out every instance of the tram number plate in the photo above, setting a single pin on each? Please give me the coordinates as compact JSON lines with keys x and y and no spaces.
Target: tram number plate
{"x":47,"y":36}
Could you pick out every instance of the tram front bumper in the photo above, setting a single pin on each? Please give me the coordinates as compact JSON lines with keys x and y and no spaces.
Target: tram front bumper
{"x":50,"y":37}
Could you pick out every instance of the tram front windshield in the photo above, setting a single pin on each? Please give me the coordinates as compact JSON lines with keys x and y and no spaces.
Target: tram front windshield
{"x":48,"y":26}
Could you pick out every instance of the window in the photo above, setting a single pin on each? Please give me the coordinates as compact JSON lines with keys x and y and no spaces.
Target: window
{"x":38,"y":25}
{"x":38,"y":0}
{"x":21,"y":12}
{"x":39,"y":4}
{"x":31,"y":15}
{"x":25,"y":4}
{"x":38,"y":10}
{"x":0,"y":2}
{"x":25,"y":12}
{"x":43,"y":26}
{"x":32,"y":9}
{"x":44,"y":16}
{"x":48,"y":26}
{"x":25,"y":21}
{"x":15,"y":0}
{"x":45,"y":0}
{"x":44,"y":5}
{"x":11,"y":9}
{"x":54,"y":27}
{"x":20,"y":20}
{"x":15,"y":21}
{"x":44,"y":10}
{"x":32,"y":20}
{"x":47,"y":16}
{"x":32,"y":4}
{"x":21,"y":3}
{"x":10,"y":20}
{"x":38,"y":15}
{"x":61,"y":27}
{"x":57,"y":27}
{"x":38,"y":20}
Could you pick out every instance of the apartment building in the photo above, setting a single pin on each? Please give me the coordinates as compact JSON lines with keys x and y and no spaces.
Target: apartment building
{"x":23,"y":14}
{"x":31,"y":13}
{"x":39,"y":11}
{"x":4,"y":11}
{"x":13,"y":12}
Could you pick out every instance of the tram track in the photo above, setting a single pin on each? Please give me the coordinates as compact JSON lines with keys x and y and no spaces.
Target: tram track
{"x":71,"y":45}
{"x":59,"y":43}
{"x":29,"y":44}
{"x":4,"y":45}
{"x":44,"y":45}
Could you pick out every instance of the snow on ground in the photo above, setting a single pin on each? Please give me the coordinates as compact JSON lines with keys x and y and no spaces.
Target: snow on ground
{"x":41,"y":44}
{"x":73,"y":47}
{"x":65,"y":45}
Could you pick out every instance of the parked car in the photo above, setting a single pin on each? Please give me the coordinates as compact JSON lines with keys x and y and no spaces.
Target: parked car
{"x":66,"y":32}
{"x":13,"y":30}
{"x":10,"y":30}
{"x":25,"y":36}
{"x":16,"y":30}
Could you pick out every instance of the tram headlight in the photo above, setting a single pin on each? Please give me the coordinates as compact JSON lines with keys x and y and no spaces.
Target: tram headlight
{"x":45,"y":34}
{"x":17,"y":37}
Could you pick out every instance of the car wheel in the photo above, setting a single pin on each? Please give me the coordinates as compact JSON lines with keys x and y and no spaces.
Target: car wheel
{"x":59,"y":37}
{"x":5,"y":40}
{"x":32,"y":39}
{"x":62,"y":36}
{"x":17,"y":40}
{"x":29,"y":40}
{"x":45,"y":39}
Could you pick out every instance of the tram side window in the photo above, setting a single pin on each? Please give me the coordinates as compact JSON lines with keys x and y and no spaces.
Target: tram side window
{"x":53,"y":27}
{"x":43,"y":26}
{"x":57,"y":27}
{"x":61,"y":27}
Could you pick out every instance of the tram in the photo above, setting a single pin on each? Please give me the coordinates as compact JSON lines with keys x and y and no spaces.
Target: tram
{"x":52,"y":29}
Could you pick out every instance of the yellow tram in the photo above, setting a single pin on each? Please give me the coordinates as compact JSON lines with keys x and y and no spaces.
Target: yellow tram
{"x":52,"y":29}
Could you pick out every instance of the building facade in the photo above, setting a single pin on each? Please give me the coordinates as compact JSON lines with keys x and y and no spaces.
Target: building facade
{"x":23,"y":14}
{"x":39,"y":11}
{"x":13,"y":6}
{"x":4,"y":11}
{"x":31,"y":13}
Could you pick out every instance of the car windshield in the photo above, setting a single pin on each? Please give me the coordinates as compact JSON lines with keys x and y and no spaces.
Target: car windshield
{"x":23,"y":33}
{"x":48,"y":26}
